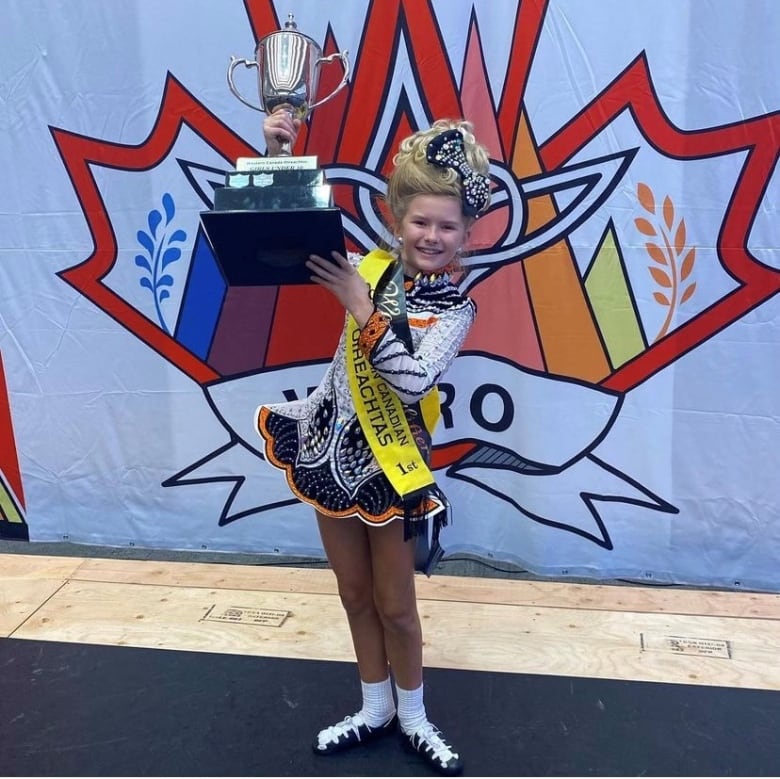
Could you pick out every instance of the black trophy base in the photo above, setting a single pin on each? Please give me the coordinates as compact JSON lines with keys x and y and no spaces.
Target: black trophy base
{"x":257,"y":248}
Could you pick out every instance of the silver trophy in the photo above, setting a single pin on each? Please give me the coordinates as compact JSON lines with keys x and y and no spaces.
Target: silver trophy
{"x":288,"y":65}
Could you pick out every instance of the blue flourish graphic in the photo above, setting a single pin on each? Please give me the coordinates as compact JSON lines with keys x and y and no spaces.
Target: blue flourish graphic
{"x":160,"y":253}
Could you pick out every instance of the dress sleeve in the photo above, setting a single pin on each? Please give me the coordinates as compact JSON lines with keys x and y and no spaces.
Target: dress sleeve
{"x":413,"y":375}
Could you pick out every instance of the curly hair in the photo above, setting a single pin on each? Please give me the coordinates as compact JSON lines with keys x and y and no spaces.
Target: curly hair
{"x":413,"y":175}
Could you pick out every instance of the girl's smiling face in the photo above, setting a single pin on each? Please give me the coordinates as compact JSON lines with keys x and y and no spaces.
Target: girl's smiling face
{"x":431,"y":232}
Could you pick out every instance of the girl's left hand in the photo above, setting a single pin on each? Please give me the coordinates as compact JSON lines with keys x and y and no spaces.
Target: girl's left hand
{"x":342,"y":279}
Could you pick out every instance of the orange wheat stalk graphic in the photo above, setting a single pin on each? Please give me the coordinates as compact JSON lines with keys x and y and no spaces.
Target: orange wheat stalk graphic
{"x":673,"y":272}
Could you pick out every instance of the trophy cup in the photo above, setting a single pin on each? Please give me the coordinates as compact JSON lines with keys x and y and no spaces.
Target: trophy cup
{"x":288,"y":65}
{"x":273,"y":212}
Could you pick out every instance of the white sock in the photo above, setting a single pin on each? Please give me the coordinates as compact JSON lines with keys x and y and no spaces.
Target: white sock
{"x":411,"y":710}
{"x":378,"y":703}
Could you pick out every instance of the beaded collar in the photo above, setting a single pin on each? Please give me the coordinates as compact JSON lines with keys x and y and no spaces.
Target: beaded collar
{"x":427,"y":280}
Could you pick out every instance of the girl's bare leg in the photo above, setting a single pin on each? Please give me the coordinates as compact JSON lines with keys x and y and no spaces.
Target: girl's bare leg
{"x":392,"y":562}
{"x":374,"y":569}
{"x":346,"y":543}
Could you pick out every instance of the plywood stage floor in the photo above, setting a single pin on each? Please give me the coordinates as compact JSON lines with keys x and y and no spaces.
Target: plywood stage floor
{"x":137,"y":667}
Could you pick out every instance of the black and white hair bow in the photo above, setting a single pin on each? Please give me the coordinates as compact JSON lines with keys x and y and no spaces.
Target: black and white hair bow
{"x":446,"y":150}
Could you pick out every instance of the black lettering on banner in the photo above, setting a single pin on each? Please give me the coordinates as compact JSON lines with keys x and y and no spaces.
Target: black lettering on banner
{"x":291,"y":394}
{"x":478,"y":401}
{"x":446,"y":397}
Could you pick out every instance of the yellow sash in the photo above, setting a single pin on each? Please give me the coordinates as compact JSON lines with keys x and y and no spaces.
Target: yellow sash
{"x":379,"y":410}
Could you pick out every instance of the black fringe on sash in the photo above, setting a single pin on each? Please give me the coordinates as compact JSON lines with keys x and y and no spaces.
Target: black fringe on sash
{"x":427,"y":553}
{"x":415,"y":520}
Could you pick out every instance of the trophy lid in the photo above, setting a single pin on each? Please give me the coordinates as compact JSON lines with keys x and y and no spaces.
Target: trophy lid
{"x":290,"y":32}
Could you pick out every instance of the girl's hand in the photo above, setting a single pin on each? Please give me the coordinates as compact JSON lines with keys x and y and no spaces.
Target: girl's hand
{"x":342,"y":279}
{"x":278,"y":127}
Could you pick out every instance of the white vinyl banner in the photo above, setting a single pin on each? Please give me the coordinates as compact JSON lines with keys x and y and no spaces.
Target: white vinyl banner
{"x":615,"y":410}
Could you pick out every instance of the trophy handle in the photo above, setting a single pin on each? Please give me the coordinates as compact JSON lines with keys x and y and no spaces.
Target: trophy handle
{"x":234,"y":62}
{"x":340,"y":55}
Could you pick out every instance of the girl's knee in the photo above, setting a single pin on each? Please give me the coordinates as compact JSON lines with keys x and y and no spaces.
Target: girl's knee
{"x":398,"y":615}
{"x":356,"y":597}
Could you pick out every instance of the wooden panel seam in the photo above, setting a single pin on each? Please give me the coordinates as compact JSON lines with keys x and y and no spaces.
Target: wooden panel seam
{"x":40,"y":605}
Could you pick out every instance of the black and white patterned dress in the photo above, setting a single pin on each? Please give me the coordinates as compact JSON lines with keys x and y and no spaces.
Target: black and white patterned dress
{"x":318,"y":441}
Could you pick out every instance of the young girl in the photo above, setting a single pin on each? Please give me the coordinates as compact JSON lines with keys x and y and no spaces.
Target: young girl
{"x":357,"y":448}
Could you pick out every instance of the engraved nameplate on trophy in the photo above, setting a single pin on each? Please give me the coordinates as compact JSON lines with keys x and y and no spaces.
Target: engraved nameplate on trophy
{"x":268,"y":164}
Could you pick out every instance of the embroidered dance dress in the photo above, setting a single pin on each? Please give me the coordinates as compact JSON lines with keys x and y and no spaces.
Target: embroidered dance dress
{"x":318,"y":441}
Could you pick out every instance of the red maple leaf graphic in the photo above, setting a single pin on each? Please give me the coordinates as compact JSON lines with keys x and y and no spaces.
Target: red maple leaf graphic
{"x":392,"y":26}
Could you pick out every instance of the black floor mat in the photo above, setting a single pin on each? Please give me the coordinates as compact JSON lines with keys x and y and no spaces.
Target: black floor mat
{"x":83,"y":710}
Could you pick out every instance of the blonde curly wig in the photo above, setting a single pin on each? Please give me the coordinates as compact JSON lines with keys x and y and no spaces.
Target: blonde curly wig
{"x":413,"y":175}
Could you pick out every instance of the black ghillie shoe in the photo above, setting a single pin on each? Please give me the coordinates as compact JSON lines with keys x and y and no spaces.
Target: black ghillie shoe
{"x":428,"y":742}
{"x":350,"y":732}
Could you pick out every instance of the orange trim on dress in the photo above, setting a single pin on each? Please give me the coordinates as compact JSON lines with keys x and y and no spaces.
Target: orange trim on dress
{"x":373,"y":331}
{"x":389,"y":515}
{"x":378,"y":324}
{"x":421,"y":323}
